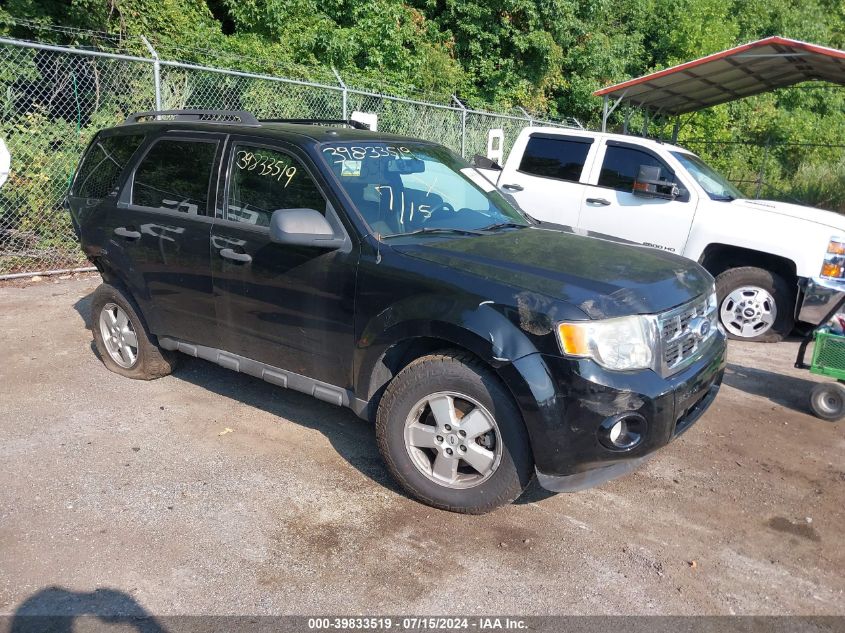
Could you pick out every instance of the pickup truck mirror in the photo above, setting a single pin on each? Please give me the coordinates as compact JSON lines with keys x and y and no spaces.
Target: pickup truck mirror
{"x":649,"y":185}
{"x":302,"y":227}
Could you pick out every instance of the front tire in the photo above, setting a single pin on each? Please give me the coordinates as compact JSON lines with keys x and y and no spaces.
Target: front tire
{"x":755,"y":305}
{"x":121,"y":337}
{"x":452,"y":436}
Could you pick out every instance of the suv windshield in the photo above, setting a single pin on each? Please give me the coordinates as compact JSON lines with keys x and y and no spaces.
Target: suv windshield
{"x":403,"y":187}
{"x":715,"y":184}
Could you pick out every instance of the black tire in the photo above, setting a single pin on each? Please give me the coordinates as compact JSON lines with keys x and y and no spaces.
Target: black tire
{"x":827,"y":400}
{"x":459,"y":373}
{"x":784,"y":298}
{"x":151,"y":360}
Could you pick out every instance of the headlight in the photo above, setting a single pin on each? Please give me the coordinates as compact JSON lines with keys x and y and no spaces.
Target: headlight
{"x":623,"y":343}
{"x":833,"y":266}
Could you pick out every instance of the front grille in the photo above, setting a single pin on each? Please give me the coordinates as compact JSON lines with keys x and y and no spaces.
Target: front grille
{"x":680,"y":339}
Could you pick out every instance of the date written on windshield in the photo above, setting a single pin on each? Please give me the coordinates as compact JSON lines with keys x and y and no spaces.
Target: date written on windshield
{"x":269,"y":166}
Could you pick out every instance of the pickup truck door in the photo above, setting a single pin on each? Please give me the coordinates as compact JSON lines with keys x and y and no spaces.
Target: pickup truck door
{"x":545,"y":175}
{"x":608,"y":205}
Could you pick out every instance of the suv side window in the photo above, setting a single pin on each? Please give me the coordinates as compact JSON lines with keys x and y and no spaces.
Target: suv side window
{"x":103,"y":163}
{"x":621,"y":167}
{"x":559,"y":158}
{"x":175,"y":175}
{"x":263,"y":180}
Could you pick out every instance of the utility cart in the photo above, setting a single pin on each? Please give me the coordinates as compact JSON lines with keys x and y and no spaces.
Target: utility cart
{"x":827,"y":399}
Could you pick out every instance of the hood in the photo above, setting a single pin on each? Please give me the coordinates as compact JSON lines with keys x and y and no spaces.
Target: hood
{"x":810,"y":214}
{"x":601,"y":277}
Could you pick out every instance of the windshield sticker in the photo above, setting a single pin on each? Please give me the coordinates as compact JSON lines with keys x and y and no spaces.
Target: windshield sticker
{"x":342,"y":153}
{"x":350,"y":169}
{"x":278,"y":168}
{"x":478,"y":180}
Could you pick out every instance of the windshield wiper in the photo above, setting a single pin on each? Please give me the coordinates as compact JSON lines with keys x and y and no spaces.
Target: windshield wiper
{"x":503,"y":225}
{"x":435,"y":229}
{"x":722,"y":197}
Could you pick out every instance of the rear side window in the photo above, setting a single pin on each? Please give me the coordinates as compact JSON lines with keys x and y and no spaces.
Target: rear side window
{"x":175,"y":175}
{"x":559,"y":158}
{"x":264,"y":180}
{"x":621,"y":167}
{"x":101,"y":167}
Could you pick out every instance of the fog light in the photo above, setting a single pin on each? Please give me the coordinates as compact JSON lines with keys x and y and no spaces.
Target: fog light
{"x":622,"y":432}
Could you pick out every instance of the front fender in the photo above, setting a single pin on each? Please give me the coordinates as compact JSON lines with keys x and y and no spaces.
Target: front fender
{"x":482,"y":328}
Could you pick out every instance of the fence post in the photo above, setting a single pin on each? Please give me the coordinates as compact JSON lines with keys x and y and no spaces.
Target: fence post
{"x":344,"y":92}
{"x":156,"y":70}
{"x":463,"y":125}
{"x":527,"y":116}
{"x":761,"y":177}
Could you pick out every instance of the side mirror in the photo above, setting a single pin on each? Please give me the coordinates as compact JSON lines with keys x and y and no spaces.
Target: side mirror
{"x":302,"y":227}
{"x":649,"y":185}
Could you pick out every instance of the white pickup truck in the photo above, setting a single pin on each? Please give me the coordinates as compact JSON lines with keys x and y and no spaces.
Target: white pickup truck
{"x":767,"y":257}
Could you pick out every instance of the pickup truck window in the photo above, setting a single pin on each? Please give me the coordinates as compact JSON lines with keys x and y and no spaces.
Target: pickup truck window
{"x":263,"y":180}
{"x":558,"y":158}
{"x":103,"y":165}
{"x":175,"y":175}
{"x":715,"y":184}
{"x":402,"y":187}
{"x":621,"y":167}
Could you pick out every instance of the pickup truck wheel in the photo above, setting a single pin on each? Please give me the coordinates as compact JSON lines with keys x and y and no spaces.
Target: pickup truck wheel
{"x":121,"y":337}
{"x":452,"y":436}
{"x":755,"y":305}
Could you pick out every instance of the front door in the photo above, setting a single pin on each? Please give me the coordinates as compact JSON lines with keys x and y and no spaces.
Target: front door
{"x":608,"y":205}
{"x":162,"y":220}
{"x":288,"y":306}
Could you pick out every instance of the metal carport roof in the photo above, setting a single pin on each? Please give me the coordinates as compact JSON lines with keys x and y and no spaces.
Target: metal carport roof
{"x":743,"y":71}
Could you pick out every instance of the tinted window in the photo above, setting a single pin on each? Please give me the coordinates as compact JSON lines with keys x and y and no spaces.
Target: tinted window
{"x":554,"y":158}
{"x":264,"y":180}
{"x":622,"y":166}
{"x":175,"y":175}
{"x":100,"y":169}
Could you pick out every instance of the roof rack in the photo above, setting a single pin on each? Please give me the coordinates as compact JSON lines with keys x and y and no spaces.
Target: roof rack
{"x":204,"y":116}
{"x":350,"y":122}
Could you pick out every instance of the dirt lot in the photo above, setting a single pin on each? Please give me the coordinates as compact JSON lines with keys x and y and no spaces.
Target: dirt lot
{"x":142,"y":491}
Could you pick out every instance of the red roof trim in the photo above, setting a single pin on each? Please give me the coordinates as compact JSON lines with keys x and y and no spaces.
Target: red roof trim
{"x":775,"y":39}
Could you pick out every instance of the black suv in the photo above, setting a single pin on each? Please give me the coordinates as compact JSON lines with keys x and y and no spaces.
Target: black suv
{"x":385,"y":274}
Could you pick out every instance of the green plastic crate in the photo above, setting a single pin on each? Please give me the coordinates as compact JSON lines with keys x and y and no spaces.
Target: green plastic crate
{"x":829,"y":355}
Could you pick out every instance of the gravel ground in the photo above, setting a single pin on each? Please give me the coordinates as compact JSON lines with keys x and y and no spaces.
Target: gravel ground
{"x":212,"y":492}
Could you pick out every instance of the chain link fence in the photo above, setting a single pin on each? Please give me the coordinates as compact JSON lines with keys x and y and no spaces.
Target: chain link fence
{"x":54,"y":99}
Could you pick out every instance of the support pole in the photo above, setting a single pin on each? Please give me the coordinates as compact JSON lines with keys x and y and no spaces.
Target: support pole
{"x":463,"y":125}
{"x":344,"y":93}
{"x":676,"y":130}
{"x":156,"y":71}
{"x":605,"y":113}
{"x":626,"y":121}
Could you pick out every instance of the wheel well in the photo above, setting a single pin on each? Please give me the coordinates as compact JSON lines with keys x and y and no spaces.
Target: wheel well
{"x":717,"y":258}
{"x":399,"y":356}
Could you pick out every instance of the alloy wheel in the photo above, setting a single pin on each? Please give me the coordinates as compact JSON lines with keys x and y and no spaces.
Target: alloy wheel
{"x":118,"y":335}
{"x":453,"y":440}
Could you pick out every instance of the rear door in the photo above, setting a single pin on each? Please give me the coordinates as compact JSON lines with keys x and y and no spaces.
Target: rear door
{"x":547,"y":182}
{"x":162,"y":223}
{"x":287,"y":306}
{"x":609,"y":206}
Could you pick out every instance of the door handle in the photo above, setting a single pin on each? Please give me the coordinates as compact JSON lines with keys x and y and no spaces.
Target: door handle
{"x":129,"y":234}
{"x":513,"y":187}
{"x":243,"y":258}
{"x":601,"y":201}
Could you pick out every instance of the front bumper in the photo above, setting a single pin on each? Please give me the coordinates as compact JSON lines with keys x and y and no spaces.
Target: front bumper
{"x":818,"y":298}
{"x":565,"y":401}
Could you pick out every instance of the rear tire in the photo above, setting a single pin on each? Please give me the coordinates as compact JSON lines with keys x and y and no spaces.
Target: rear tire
{"x":451,"y":401}
{"x":121,"y":337}
{"x":827,"y":400}
{"x":755,"y":305}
